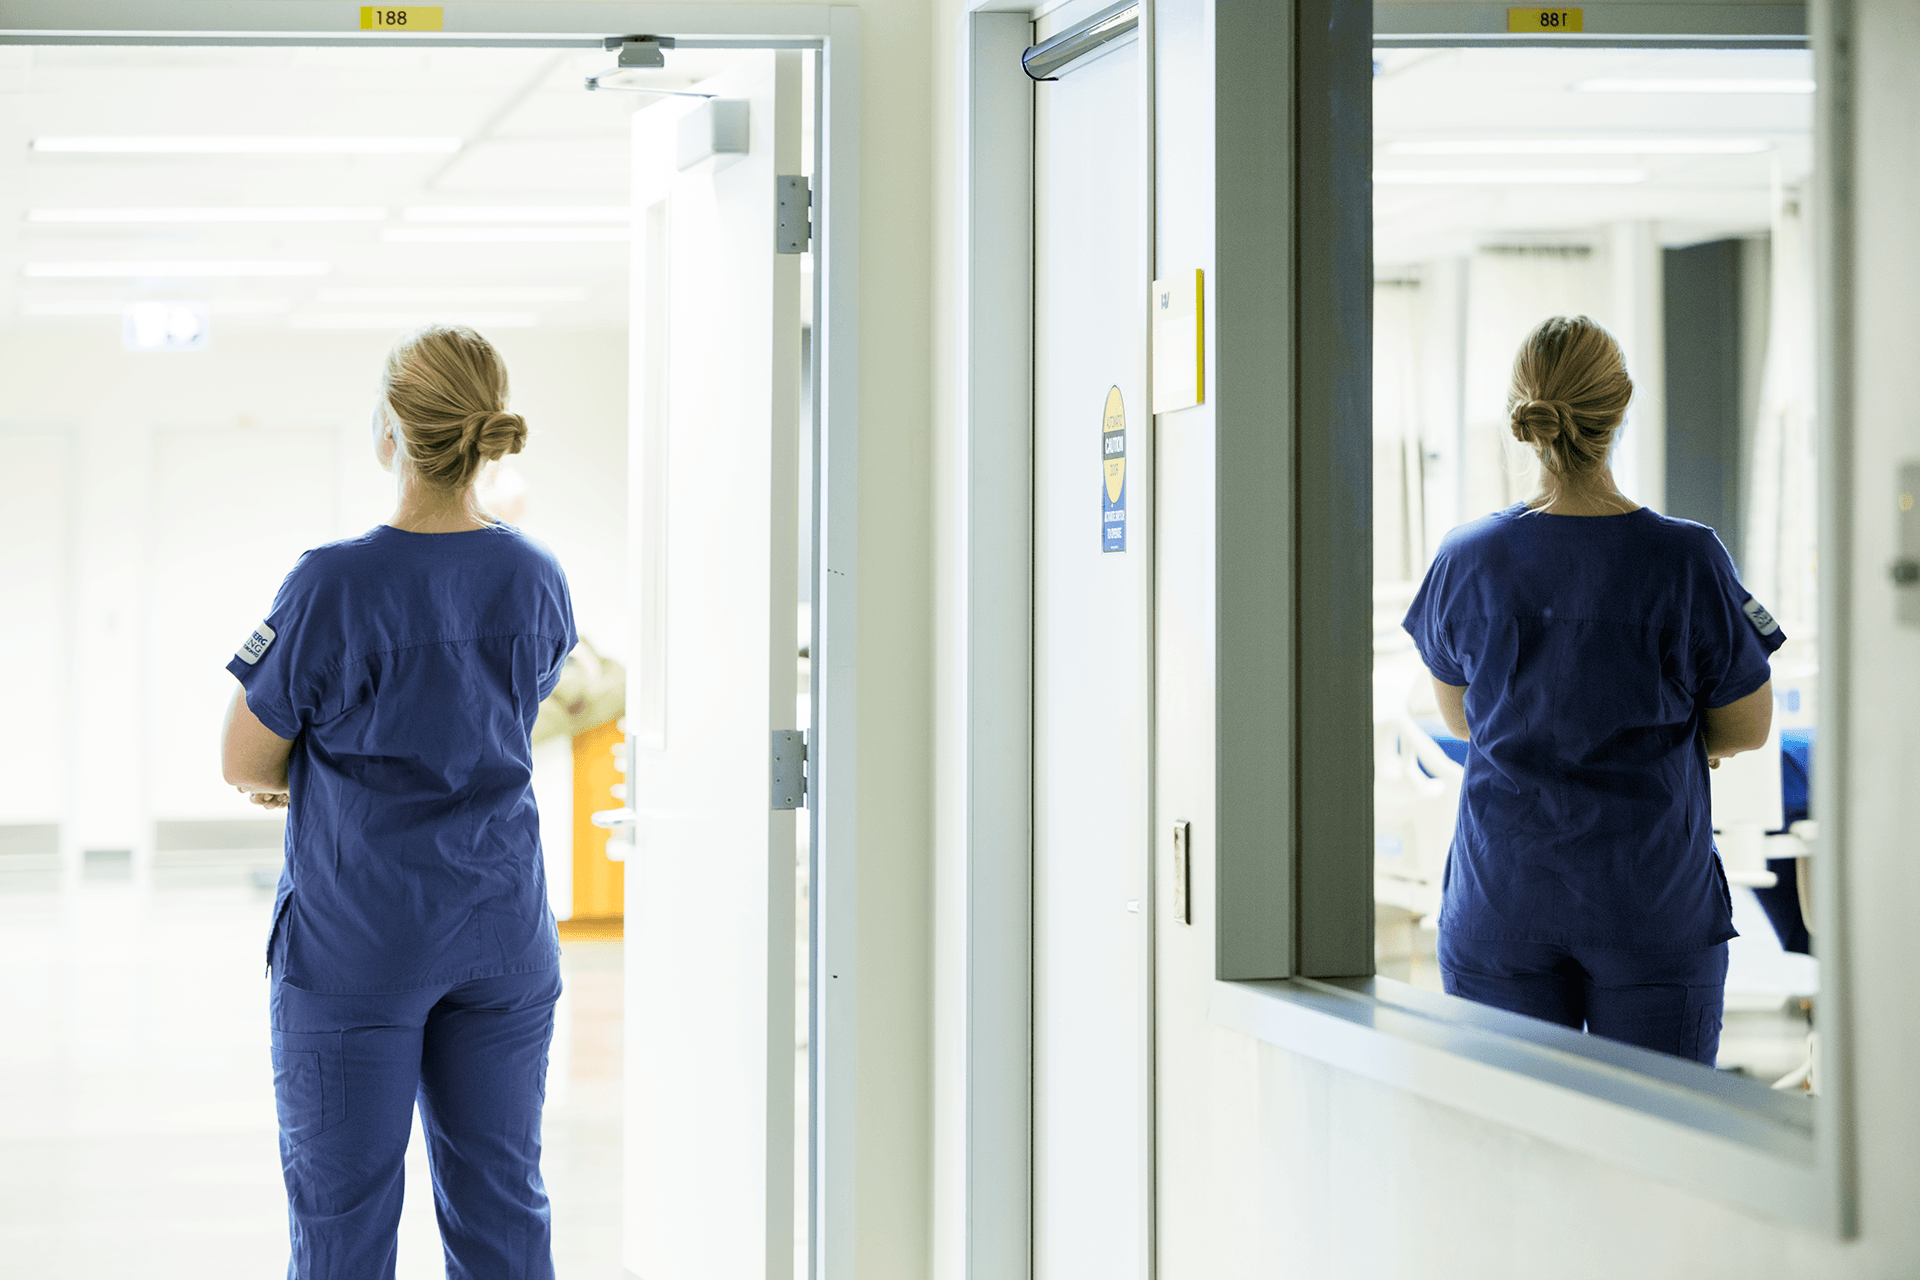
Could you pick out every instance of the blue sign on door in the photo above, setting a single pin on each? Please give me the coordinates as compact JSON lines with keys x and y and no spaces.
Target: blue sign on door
{"x":1113,"y":462}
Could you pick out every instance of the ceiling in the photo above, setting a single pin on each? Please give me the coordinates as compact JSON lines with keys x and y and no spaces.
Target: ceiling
{"x":537,"y":156}
{"x":1529,"y":110}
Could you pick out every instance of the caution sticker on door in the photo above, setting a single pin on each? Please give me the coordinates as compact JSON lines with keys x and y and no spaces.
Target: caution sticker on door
{"x":1113,"y":459}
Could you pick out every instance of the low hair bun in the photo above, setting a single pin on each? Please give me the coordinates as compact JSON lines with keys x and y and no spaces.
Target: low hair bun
{"x":436,"y":381}
{"x":1541,"y":422}
{"x":493,"y":433}
{"x":1569,"y":393}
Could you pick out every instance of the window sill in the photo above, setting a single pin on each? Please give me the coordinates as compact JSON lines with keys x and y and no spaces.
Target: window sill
{"x":1724,"y":1136}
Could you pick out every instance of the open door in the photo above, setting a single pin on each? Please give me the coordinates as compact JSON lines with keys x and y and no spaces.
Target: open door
{"x":709,"y":1143}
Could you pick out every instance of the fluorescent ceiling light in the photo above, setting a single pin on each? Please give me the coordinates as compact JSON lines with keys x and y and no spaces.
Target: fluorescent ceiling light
{"x":214,"y":213}
{"x":1580,"y":147}
{"x":263,"y":145}
{"x":517,"y":213}
{"x":1693,"y":86}
{"x":218,"y":306}
{"x":510,"y":293}
{"x":503,"y":235}
{"x":1507,"y":177}
{"x":170,"y":270}
{"x":414,"y":319}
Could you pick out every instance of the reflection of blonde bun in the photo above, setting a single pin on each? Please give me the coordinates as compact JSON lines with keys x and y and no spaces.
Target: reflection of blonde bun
{"x":1569,"y":393}
{"x":1541,"y":422}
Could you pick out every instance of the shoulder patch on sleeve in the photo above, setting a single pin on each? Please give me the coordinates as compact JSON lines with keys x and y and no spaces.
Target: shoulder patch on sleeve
{"x":1756,"y":614}
{"x":254,"y":647}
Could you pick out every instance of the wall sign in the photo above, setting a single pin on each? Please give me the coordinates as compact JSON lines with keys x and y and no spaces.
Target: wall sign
{"x":414,"y":18}
{"x":1536,"y":21}
{"x":1179,"y":342}
{"x":1113,"y":461}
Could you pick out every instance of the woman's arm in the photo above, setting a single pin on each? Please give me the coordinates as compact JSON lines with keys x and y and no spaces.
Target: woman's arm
{"x":252,"y":756}
{"x":1453,"y":707}
{"x":1739,"y":726}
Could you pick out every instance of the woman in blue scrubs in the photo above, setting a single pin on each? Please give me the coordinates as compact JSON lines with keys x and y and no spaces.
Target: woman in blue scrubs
{"x":386,"y":702}
{"x":1598,"y":658}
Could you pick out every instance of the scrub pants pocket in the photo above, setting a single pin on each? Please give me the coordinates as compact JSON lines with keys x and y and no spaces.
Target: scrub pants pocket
{"x":309,"y":1084}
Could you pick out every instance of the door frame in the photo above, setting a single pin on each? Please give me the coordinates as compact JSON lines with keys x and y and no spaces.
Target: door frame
{"x":834,"y":31}
{"x":985,"y":1040}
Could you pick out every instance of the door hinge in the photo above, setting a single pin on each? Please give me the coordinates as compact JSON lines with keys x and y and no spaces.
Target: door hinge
{"x":789,"y":769}
{"x":793,"y":225}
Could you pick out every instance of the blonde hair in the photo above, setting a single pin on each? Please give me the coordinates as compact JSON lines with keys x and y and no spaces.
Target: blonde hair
{"x":1570,"y":390}
{"x":447,"y":388}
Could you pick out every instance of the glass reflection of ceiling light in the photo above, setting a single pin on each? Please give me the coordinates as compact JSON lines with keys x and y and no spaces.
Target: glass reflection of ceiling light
{"x":510,"y":293}
{"x":413,"y":319}
{"x":299,"y":145}
{"x":213,"y":213}
{"x":169,"y":270}
{"x":504,"y":235}
{"x":164,"y":326}
{"x":1507,"y":177}
{"x":218,"y":306}
{"x":1580,"y":147}
{"x":517,"y":213}
{"x":1605,"y":85}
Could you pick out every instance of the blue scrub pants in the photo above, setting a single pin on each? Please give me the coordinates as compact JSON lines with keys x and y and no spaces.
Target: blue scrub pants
{"x":1670,"y":1002}
{"x":346,"y":1073}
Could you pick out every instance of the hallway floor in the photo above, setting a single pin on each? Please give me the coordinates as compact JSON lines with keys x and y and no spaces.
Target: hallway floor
{"x":137,"y":1131}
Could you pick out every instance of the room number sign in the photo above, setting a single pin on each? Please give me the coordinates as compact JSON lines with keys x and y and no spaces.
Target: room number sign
{"x":414,"y":18}
{"x":1540,"y":20}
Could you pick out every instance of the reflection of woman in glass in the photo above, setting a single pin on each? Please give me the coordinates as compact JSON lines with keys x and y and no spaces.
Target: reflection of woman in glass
{"x":1599,"y":659}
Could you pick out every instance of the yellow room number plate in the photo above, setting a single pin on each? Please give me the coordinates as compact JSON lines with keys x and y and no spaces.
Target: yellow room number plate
{"x":412,"y":19}
{"x":1534,"y":21}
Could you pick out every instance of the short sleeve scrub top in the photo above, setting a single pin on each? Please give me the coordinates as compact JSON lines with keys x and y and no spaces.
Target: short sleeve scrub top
{"x":1590,"y":649}
{"x":409,"y":668}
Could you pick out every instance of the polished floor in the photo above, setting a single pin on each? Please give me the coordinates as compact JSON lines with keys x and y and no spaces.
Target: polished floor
{"x":137,"y":1131}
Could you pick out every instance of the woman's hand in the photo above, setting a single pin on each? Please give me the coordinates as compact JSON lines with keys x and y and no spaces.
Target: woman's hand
{"x":265,"y":799}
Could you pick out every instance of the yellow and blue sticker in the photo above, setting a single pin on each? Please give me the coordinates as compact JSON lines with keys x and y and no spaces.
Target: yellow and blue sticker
{"x":1113,"y":458}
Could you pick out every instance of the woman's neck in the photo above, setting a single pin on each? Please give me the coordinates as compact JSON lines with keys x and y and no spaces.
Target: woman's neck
{"x":1591,"y":493}
{"x":420,"y":507}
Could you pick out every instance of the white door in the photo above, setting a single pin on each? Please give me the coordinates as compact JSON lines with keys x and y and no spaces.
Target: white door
{"x":710,"y":885}
{"x":1091,"y":914}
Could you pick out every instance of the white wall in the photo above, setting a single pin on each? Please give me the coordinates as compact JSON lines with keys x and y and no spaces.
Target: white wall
{"x":141,"y":419}
{"x":1274,"y":1164}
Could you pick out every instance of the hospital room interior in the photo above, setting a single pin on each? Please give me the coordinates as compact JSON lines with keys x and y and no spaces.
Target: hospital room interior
{"x":189,"y":431}
{"x":1679,"y":222}
{"x":191,"y":329}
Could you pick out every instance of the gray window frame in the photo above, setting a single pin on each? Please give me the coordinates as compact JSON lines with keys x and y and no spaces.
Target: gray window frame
{"x":1294,"y":862}
{"x":1289,"y":297}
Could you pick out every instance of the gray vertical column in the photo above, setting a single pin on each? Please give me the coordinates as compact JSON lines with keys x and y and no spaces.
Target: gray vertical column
{"x":1702,"y":304}
{"x":1251,"y":335}
{"x":1333,"y":521}
{"x":1292,"y":339}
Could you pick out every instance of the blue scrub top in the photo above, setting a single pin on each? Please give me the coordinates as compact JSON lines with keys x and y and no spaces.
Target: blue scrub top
{"x":1590,"y":648}
{"x":407,"y":668}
